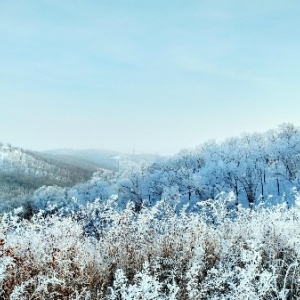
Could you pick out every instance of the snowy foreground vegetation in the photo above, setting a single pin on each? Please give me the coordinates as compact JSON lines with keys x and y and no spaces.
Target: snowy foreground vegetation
{"x":217,"y":222}
{"x":216,"y":253}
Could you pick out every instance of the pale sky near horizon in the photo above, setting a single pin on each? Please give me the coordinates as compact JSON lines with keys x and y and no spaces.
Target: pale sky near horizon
{"x":154,"y":76}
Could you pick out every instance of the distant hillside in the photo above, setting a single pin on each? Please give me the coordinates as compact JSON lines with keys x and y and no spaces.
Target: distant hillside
{"x":23,"y":171}
{"x":105,"y":159}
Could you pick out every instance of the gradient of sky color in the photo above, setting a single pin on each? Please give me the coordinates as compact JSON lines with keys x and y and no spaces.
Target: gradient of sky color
{"x":154,"y":76}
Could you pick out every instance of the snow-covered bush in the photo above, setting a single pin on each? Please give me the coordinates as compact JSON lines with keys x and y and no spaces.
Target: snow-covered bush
{"x":154,"y":254}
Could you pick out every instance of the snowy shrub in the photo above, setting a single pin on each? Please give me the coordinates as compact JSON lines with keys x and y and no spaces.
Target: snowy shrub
{"x":144,"y":286}
{"x":101,"y":252}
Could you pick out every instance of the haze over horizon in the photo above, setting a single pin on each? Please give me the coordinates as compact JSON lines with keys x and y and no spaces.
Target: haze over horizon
{"x":147,"y":75}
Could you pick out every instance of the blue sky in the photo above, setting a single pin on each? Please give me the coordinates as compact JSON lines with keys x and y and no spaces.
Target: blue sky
{"x":154,"y":76}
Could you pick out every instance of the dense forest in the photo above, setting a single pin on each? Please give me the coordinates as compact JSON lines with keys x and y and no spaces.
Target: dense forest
{"x":260,"y":169}
{"x":216,"y":222}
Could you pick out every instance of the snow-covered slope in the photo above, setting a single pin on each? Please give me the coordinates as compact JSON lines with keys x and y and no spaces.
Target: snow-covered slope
{"x":15,"y":160}
{"x":23,"y":171}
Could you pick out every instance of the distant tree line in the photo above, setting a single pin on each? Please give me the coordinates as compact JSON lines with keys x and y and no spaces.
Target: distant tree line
{"x":258,"y":168}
